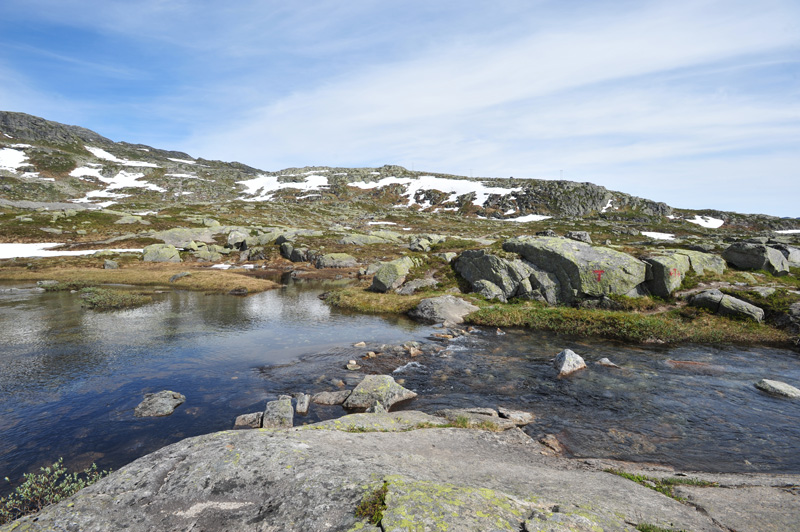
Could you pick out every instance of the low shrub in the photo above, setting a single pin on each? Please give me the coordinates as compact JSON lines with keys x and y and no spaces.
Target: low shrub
{"x":50,"y":486}
{"x":107,"y":299}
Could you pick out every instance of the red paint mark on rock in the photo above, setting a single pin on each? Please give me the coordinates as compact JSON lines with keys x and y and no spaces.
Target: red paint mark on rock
{"x":599,"y":274}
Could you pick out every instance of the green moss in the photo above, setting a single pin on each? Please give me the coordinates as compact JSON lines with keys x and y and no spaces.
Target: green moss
{"x":644,"y":527}
{"x":665,"y":485}
{"x":373,"y":505}
{"x":108,"y":299}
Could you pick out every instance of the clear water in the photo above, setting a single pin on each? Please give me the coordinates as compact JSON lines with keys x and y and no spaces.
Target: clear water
{"x":70,"y":379}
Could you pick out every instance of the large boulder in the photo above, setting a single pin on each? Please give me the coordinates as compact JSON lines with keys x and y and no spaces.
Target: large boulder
{"x":159,"y":404}
{"x":336,"y":260}
{"x":182,"y":237}
{"x":391,"y":275}
{"x":726,"y":305}
{"x":161,"y":253}
{"x":791,"y":253}
{"x":574,"y":270}
{"x":377,"y":389}
{"x":449,"y":310}
{"x":491,"y":276}
{"x":755,"y":256}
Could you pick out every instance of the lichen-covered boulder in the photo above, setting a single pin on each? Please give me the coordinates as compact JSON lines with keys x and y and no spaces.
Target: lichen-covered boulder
{"x":336,"y":260}
{"x":279,"y":414}
{"x":449,"y":310}
{"x":377,"y":388}
{"x":159,"y":404}
{"x":666,"y":273}
{"x":391,"y":275}
{"x":580,"y":236}
{"x":791,"y":253}
{"x":160,"y":253}
{"x":578,"y":269}
{"x":702,"y":262}
{"x":754,"y":256}
{"x":412,"y":286}
{"x":726,"y":305}
{"x":489,"y":275}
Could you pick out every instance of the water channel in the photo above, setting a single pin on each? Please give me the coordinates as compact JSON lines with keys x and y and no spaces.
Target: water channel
{"x":71,"y":377}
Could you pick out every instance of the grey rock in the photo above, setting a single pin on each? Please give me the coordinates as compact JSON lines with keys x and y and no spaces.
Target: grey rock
{"x":791,"y":253}
{"x":580,"y":236}
{"x":665,"y":273}
{"x":443,"y":309}
{"x":391,"y":275}
{"x":129,"y":219}
{"x":110,"y":264}
{"x":476,"y":419}
{"x":249,"y":421}
{"x":606,"y":362}
{"x":411,"y":287}
{"x":177,"y":276}
{"x":182,"y":237}
{"x":159,"y":404}
{"x":491,"y":276}
{"x":568,"y":362}
{"x":207,"y":254}
{"x":421,"y":244}
{"x":726,"y":305}
{"x":279,"y":413}
{"x":578,"y":269}
{"x":518,"y":417}
{"x":363,"y":240}
{"x":754,"y":256}
{"x":51,"y":230}
{"x":46,"y":283}
{"x":330,"y":398}
{"x":778,"y":388}
{"x":377,"y":388}
{"x":448,"y":256}
{"x":160,"y":253}
{"x":336,"y":260}
{"x":303,"y":400}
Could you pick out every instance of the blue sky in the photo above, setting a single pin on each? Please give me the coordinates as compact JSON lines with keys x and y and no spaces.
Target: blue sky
{"x":695,"y":103}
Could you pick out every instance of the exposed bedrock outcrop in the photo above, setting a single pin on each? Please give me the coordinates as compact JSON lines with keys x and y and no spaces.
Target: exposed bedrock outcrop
{"x":303,"y":479}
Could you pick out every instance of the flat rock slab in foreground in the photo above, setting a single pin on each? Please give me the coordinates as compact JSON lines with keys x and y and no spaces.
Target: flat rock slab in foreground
{"x":304,"y":479}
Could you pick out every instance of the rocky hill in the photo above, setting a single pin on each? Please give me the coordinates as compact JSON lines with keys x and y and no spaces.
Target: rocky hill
{"x":44,"y":161}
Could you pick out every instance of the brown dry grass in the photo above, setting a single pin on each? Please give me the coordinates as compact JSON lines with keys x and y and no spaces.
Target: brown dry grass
{"x":145,"y":274}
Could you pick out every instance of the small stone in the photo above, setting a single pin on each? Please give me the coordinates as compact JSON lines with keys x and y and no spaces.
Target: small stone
{"x":179,"y":276}
{"x":159,"y":404}
{"x":303,"y":400}
{"x":414,"y":352}
{"x":279,"y":414}
{"x":330,"y":398}
{"x":778,"y":388}
{"x":567,"y":362}
{"x":353,"y":366}
{"x":238,"y":292}
{"x":606,"y":362}
{"x":110,"y":265}
{"x":550,"y":441}
{"x":519,"y":417}
{"x":249,"y":421}
{"x":499,"y":332}
{"x":360,"y":344}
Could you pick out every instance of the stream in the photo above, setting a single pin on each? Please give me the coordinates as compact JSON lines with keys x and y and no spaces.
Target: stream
{"x":70,"y":379}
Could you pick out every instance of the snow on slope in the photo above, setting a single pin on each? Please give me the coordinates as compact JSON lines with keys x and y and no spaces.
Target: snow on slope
{"x":10,"y":251}
{"x":455,"y":187}
{"x":121,"y":180}
{"x":658,"y":236}
{"x":706,"y":221}
{"x":263,"y":187}
{"x":103,"y":154}
{"x":11,"y":159}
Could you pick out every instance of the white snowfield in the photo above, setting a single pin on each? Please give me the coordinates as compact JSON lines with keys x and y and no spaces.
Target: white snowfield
{"x":11,"y":159}
{"x":658,"y":236}
{"x":122,"y":180}
{"x":789,"y":231}
{"x":706,"y":221}
{"x":85,"y":171}
{"x":520,"y":219}
{"x":264,"y":187}
{"x":11,"y":251}
{"x":103,"y":154}
{"x":184,"y":161}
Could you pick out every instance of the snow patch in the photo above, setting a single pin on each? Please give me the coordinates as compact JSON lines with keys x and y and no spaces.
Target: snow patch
{"x":184,"y":161}
{"x":788,"y":231}
{"x":103,"y":154}
{"x":11,"y":159}
{"x":608,"y":206}
{"x":21,"y":146}
{"x":521,"y":219}
{"x":263,"y":187}
{"x":84,"y":171}
{"x":43,"y":249}
{"x":658,"y":236}
{"x":706,"y":221}
{"x":455,"y":187}
{"x":185,"y":176}
{"x":381,"y":223}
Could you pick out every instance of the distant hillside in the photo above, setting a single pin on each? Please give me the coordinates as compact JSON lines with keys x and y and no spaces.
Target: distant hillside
{"x":45,"y":161}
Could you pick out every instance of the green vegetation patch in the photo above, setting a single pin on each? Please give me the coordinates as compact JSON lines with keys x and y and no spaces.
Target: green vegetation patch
{"x":644,"y":527}
{"x":50,"y":486}
{"x":373,"y":505}
{"x":665,"y":486}
{"x":108,"y":299}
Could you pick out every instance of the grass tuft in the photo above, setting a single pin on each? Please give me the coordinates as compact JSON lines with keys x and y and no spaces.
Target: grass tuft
{"x":109,"y":299}
{"x":373,"y":505}
{"x":665,"y":486}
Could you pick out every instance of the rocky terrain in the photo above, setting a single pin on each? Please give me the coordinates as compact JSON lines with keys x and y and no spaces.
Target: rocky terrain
{"x":570,"y":257}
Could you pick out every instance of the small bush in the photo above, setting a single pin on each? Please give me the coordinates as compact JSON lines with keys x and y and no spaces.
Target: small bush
{"x":67,"y":286}
{"x":50,"y":486}
{"x":373,"y":506}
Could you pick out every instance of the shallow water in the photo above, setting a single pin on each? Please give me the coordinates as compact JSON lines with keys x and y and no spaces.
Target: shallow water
{"x":70,"y":379}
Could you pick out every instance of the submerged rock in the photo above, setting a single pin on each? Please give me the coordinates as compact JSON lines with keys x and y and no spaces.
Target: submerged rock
{"x":567,"y":362}
{"x":778,"y":388}
{"x":159,"y":404}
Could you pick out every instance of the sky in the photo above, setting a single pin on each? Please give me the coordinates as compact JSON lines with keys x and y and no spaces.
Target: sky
{"x":694,"y":103}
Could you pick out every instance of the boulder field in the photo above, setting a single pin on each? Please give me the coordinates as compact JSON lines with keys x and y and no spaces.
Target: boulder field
{"x":314,"y":477}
